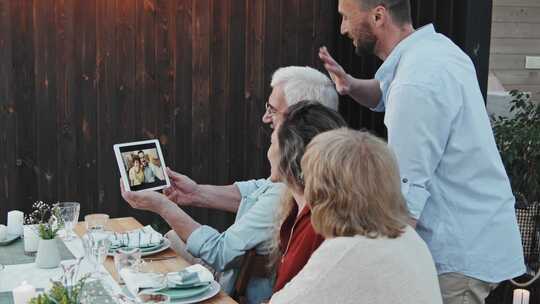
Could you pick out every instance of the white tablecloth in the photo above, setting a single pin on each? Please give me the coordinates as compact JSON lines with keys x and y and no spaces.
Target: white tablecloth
{"x":13,"y":275}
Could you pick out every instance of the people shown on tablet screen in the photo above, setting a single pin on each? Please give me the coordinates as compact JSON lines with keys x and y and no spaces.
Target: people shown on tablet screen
{"x":155,"y":165}
{"x":136,"y":174}
{"x":144,"y":168}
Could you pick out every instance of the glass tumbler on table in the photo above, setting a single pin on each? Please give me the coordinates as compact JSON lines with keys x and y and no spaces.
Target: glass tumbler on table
{"x":69,"y":212}
{"x":96,"y":246}
{"x":96,"y":221}
{"x":127,"y":260}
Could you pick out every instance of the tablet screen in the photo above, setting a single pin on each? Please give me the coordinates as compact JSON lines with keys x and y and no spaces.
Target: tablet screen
{"x":143,"y":165}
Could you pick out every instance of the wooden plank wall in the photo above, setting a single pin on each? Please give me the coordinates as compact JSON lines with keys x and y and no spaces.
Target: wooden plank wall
{"x":516,"y":34}
{"x":77,"y":76}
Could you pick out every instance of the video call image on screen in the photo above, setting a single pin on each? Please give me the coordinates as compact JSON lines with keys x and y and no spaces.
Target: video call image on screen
{"x":143,"y":167}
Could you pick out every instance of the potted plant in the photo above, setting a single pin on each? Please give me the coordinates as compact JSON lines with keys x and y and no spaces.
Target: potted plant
{"x":48,"y":255}
{"x":61,"y":294}
{"x":518,"y":141}
{"x":31,"y":223}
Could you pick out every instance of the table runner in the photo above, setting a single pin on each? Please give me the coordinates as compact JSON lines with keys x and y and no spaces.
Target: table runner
{"x":13,"y":254}
{"x":6,"y":297}
{"x":97,"y":294}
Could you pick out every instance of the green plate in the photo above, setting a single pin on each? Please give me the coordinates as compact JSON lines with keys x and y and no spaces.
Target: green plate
{"x":165,"y":243}
{"x":182,"y":293}
{"x":143,"y":248}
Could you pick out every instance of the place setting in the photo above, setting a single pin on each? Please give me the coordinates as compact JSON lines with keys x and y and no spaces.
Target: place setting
{"x":190,"y":285}
{"x":146,"y":239}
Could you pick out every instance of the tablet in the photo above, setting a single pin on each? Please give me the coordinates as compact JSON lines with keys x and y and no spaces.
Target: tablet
{"x":141,"y":165}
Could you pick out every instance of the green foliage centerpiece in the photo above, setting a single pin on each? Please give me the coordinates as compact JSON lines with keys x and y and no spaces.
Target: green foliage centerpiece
{"x":46,"y":217}
{"x":61,"y":294}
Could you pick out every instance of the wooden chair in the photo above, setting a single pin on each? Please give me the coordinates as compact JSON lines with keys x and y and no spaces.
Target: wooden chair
{"x":253,"y":265}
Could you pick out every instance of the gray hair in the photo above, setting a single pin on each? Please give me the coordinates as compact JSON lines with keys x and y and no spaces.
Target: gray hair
{"x":305,"y":83}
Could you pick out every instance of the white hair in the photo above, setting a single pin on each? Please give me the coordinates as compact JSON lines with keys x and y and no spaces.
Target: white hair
{"x":305,"y":83}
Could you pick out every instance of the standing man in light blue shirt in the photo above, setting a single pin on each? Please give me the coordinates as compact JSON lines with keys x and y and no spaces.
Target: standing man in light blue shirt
{"x":453,"y":179}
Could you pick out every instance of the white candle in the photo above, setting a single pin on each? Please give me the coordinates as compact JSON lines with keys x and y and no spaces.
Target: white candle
{"x":3,"y":232}
{"x":15,"y":222}
{"x":31,"y":238}
{"x":23,"y":293}
{"x":521,"y":296}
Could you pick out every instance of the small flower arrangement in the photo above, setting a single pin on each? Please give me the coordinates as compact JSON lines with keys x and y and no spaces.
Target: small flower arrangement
{"x":39,"y":214}
{"x":61,"y":294}
{"x":47,"y":217}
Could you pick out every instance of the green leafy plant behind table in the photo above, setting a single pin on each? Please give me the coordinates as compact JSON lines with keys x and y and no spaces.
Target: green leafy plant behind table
{"x":518,"y":140}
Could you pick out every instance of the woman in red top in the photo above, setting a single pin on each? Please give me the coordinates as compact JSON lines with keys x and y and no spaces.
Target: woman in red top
{"x":296,"y":239}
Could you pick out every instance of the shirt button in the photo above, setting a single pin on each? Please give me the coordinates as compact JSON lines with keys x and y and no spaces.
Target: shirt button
{"x":405,"y":180}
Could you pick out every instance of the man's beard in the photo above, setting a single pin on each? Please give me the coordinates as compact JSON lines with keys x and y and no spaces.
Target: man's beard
{"x":366,"y":44}
{"x":365,"y":48}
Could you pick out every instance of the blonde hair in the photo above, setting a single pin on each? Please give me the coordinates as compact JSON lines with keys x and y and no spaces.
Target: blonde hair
{"x":305,"y":83}
{"x":353,"y":185}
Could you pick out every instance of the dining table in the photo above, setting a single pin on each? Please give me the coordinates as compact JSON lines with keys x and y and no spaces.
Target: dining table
{"x":165,"y":261}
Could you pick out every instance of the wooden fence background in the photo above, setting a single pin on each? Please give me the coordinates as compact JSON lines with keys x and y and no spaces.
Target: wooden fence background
{"x":77,"y":76}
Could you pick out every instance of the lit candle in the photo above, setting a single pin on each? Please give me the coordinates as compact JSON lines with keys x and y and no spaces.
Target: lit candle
{"x":521,"y":296}
{"x":23,"y":293}
{"x":3,"y":232}
{"x":15,"y":222}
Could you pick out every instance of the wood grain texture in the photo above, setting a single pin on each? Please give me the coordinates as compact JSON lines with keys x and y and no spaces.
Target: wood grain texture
{"x":84,"y":75}
{"x":516,"y":30}
{"x":521,"y":14}
{"x":519,"y":3}
{"x":515,"y":34}
{"x":517,"y":46}
{"x":518,"y":77}
{"x":506,"y":62}
{"x":8,"y":115}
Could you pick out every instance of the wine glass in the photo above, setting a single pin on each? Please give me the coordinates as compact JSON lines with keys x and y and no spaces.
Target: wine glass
{"x":69,"y":212}
{"x":96,"y":246}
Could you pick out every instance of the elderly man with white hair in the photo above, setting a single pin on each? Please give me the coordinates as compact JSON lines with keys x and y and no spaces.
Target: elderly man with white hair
{"x":255,"y":202}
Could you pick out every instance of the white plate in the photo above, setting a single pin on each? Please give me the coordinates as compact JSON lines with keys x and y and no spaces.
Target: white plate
{"x":211,"y":292}
{"x":166,"y":245}
{"x":9,"y":239}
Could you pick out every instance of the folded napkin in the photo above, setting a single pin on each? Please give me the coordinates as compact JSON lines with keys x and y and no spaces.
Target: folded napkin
{"x":144,"y":237}
{"x":195,"y":276}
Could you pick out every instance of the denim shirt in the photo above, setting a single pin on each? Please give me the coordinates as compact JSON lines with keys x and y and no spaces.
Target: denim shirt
{"x":252,"y":228}
{"x":452,"y":175}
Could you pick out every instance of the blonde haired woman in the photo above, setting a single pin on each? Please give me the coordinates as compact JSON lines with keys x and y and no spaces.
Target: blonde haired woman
{"x":370,"y":254}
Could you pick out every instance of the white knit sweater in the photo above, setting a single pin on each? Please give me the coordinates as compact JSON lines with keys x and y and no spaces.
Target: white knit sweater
{"x":368,"y":271}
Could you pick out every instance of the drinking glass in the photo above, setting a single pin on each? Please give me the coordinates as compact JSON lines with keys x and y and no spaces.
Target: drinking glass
{"x":70,"y":269}
{"x":69,"y":212}
{"x":127,"y":259}
{"x":97,"y":221}
{"x":96,"y":246}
